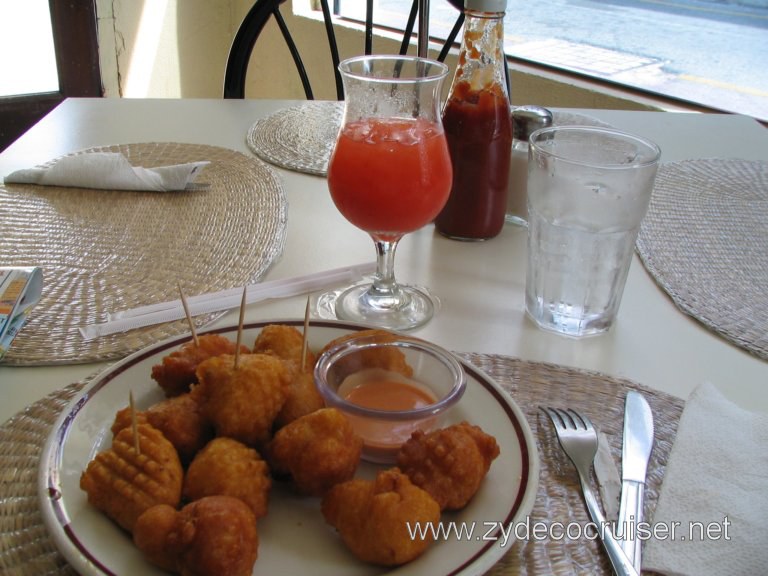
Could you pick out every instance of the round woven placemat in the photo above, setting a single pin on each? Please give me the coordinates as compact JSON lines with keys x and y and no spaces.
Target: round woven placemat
{"x":299,"y":138}
{"x":102,"y":251}
{"x":26,"y":549}
{"x":705,"y":241}
{"x":566,"y":118}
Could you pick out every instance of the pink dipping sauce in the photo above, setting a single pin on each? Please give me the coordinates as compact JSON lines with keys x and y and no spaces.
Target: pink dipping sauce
{"x":389,"y":391}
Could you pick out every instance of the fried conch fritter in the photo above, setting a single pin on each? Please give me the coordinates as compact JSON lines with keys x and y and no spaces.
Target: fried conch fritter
{"x":286,"y":342}
{"x":387,"y":358}
{"x":283,"y":341}
{"x":176,"y":373}
{"x":243,"y":403}
{"x":449,"y":463}
{"x":153,"y":533}
{"x":317,"y":451}
{"x":229,"y":468}
{"x":123,"y":484}
{"x":214,"y":536}
{"x":179,"y":418}
{"x":373,"y":517}
{"x":303,"y":398}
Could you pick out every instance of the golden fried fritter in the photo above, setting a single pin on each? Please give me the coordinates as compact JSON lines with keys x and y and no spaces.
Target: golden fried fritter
{"x":243,"y":403}
{"x":449,"y":463}
{"x":123,"y":484}
{"x":176,"y":373}
{"x":388,"y":358}
{"x":285,"y":342}
{"x":373,"y":517}
{"x":179,"y":418}
{"x":123,"y":420}
{"x":152,"y":533}
{"x":214,"y":536}
{"x":303,"y":398}
{"x":317,"y":451}
{"x":230,"y":468}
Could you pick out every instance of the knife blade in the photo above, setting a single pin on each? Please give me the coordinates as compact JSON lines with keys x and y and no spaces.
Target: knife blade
{"x":636,"y":451}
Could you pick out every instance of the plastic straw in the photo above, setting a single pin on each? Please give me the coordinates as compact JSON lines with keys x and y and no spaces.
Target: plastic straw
{"x":224,"y":300}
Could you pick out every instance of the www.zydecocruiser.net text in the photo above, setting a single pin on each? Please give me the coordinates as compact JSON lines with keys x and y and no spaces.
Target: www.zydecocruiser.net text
{"x":507,"y":533}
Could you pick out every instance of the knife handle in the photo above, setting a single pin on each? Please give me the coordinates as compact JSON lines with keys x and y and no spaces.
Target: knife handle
{"x":630,"y":514}
{"x":622,"y":566}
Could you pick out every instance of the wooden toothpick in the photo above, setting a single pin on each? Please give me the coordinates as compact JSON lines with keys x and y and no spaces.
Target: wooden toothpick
{"x":189,"y":317}
{"x":134,"y":426}
{"x":240,"y":328}
{"x":304,"y":340}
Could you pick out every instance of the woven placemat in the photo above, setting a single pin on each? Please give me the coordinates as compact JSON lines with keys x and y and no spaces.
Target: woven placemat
{"x":705,"y":241}
{"x":26,"y":549}
{"x":567,"y":118}
{"x":104,"y":251}
{"x":299,"y":138}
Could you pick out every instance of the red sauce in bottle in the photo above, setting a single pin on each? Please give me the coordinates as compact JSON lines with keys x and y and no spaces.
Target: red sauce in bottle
{"x":478,"y":127}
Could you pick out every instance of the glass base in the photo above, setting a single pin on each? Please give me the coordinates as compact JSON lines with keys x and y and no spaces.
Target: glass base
{"x":568,"y":320}
{"x":413,"y":306}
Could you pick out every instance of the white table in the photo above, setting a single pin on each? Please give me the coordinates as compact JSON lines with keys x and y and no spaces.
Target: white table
{"x":480,"y":285}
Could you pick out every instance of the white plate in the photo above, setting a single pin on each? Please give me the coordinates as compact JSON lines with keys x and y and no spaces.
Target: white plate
{"x":293,"y":537}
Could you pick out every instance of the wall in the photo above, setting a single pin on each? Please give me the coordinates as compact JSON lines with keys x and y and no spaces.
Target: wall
{"x":166,"y":48}
{"x":178,"y":49}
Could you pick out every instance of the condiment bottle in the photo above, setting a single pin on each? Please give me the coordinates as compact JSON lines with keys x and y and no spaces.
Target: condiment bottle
{"x":525,"y":120}
{"x":478,"y":126}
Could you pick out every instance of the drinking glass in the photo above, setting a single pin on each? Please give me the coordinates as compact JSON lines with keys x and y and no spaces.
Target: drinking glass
{"x":588,"y":191}
{"x":389,"y":174}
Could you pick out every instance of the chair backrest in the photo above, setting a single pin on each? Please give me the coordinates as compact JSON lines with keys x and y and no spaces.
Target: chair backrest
{"x":261,"y":12}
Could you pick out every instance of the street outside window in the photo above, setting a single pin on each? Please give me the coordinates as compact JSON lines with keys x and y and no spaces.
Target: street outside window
{"x":712,"y":53}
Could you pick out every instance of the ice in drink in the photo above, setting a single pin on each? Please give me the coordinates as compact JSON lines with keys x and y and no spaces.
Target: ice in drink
{"x":588,"y":191}
{"x":576,"y":276}
{"x":390,"y":176}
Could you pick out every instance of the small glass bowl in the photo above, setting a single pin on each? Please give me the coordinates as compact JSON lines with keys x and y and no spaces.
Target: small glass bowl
{"x":367,"y":378}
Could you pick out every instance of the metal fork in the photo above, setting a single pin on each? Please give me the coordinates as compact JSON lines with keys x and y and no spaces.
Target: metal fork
{"x":578,"y":439}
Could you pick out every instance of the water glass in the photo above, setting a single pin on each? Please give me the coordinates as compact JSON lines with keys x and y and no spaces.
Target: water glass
{"x":588,"y":190}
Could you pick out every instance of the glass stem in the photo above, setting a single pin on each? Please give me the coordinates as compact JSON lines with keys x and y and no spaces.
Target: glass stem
{"x":385,"y":289}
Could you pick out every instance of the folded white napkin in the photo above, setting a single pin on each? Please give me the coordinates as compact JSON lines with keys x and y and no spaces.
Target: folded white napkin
{"x":108,"y":171}
{"x":716,"y":480}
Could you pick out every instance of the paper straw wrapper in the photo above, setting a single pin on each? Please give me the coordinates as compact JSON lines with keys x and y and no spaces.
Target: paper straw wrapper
{"x":224,"y":300}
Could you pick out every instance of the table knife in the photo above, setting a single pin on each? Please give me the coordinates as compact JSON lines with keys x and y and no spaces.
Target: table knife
{"x":636,"y":450}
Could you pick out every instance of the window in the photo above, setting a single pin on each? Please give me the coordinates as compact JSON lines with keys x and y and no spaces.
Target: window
{"x":54,"y":54}
{"x":26,"y":42}
{"x":707,"y":52}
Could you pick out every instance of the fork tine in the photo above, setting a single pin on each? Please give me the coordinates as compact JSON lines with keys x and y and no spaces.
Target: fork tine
{"x":562,"y":418}
{"x":554,"y":415}
{"x":577,"y":420}
{"x":571,"y":418}
{"x":587,"y":422}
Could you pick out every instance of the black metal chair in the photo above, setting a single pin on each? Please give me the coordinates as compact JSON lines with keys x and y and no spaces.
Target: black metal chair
{"x":263,"y":10}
